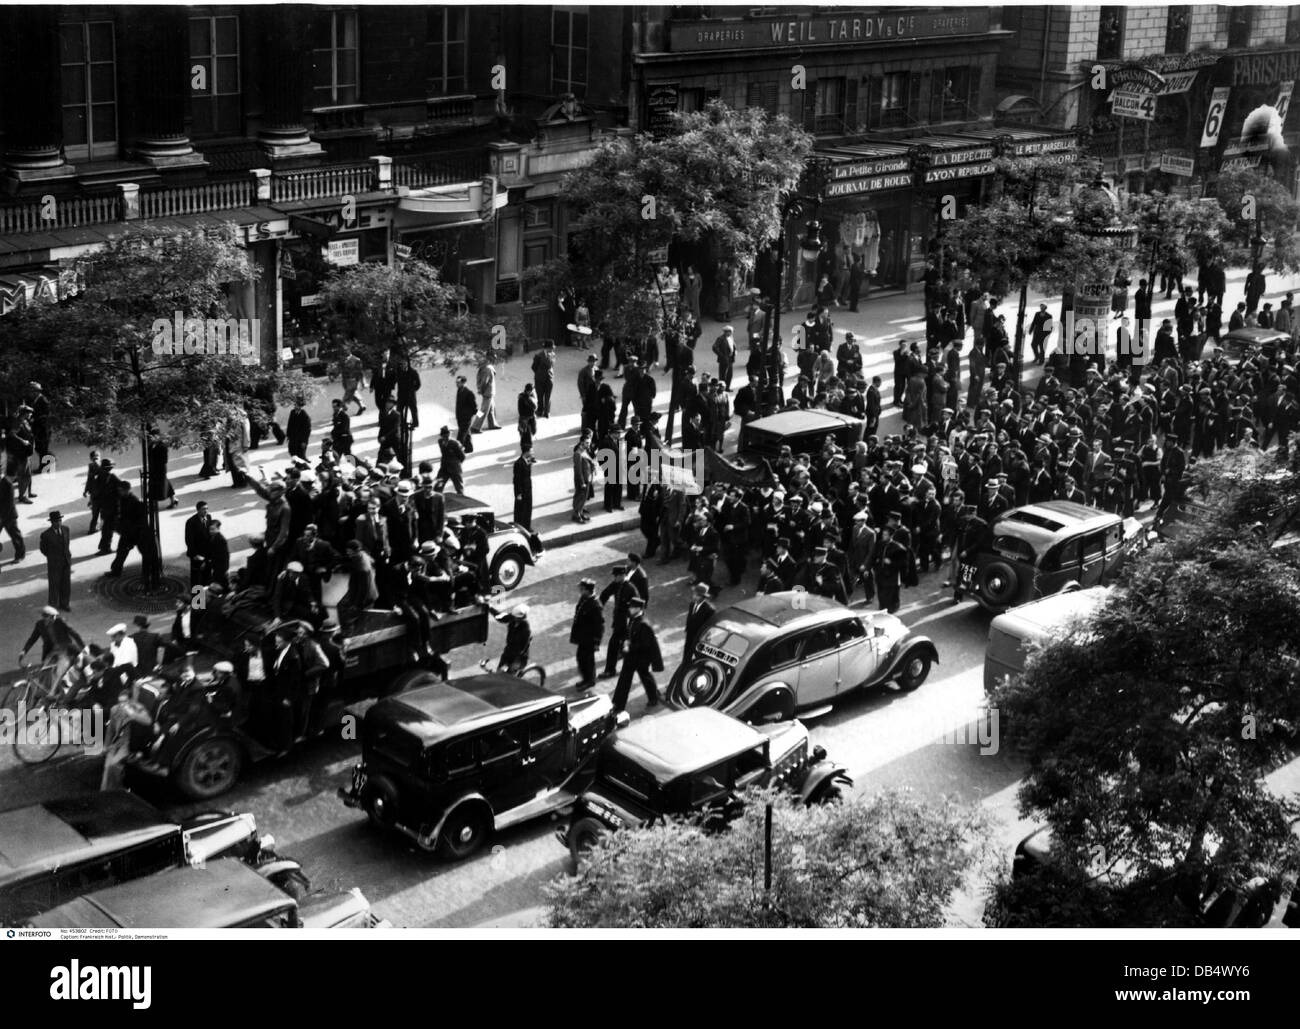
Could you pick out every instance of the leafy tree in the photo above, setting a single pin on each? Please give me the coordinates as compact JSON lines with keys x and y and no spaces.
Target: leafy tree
{"x":95,"y":354}
{"x":406,"y":307}
{"x":1045,"y":226}
{"x":716,"y":181}
{"x":1278,"y":219}
{"x":887,"y":861}
{"x":1148,"y":729}
{"x":1174,"y":233}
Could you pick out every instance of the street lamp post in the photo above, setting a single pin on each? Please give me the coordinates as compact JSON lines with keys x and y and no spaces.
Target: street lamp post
{"x":798,"y":205}
{"x":1018,"y":357}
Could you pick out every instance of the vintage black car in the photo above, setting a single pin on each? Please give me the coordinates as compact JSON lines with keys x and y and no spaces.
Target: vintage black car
{"x":202,"y":751}
{"x":449,"y":763}
{"x":224,"y":894}
{"x":694,"y":763}
{"x":1037,"y":550}
{"x":1242,"y":343}
{"x":60,"y":849}
{"x":769,"y":657}
{"x":511,"y":547}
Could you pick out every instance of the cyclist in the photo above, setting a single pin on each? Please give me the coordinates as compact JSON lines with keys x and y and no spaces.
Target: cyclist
{"x":59,"y":641}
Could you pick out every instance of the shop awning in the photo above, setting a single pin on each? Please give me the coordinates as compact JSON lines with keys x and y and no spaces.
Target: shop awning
{"x":428,"y":206}
{"x":945,"y":158}
{"x":866,"y":167}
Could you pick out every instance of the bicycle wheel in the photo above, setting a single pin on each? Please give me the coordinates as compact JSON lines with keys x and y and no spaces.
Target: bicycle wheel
{"x":535,"y":674}
{"x":37,"y":736}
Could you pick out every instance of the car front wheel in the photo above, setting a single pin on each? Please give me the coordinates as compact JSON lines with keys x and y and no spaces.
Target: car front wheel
{"x":584,"y":835}
{"x":210,"y":768}
{"x":465,"y":832}
{"x":508,"y":570}
{"x":915,"y":670}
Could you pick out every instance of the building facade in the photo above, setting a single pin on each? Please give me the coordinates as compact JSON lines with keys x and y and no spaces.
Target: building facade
{"x":1162,"y":92}
{"x":326,"y":135}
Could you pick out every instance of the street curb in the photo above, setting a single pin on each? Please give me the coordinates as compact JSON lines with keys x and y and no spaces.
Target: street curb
{"x":564,"y":537}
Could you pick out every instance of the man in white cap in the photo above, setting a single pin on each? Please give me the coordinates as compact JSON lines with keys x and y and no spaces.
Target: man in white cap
{"x":125,"y":658}
{"x":58,"y":640}
{"x":519,"y":637}
{"x":291,"y":597}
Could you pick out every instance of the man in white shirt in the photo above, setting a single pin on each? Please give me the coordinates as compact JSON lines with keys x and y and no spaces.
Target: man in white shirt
{"x":124,"y":658}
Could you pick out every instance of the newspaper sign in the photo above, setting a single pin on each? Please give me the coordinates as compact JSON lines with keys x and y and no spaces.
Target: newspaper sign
{"x":1176,"y":164}
{"x":1214,"y":116}
{"x":1177,"y":82}
{"x":1129,"y":104}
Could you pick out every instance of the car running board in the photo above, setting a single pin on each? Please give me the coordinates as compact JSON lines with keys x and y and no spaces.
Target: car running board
{"x":544,"y":802}
{"x":815,"y":712}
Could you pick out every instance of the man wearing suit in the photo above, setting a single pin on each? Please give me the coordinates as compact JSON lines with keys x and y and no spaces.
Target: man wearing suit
{"x":372,"y":533}
{"x":298,"y":429}
{"x":383,"y":377}
{"x":286,"y":682}
{"x":527,"y":408}
{"x":734,"y":519}
{"x":9,"y":515}
{"x":637,"y":576}
{"x":451,"y":468}
{"x":218,"y":556}
{"x":523,"y":482}
{"x":588,"y":628}
{"x":316,"y":557}
{"x":341,"y":429}
{"x":56,"y":545}
{"x":390,"y":427}
{"x":466,"y":411}
{"x":430,"y":511}
{"x":408,"y":388}
{"x":544,"y":378}
{"x":148,"y":644}
{"x":196,"y":544}
{"x":403,"y":524}
{"x":643,"y":658}
{"x":697,"y":616}
{"x":623,"y":593}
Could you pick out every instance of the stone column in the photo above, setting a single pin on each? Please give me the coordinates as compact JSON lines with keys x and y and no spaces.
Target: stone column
{"x":30,"y":80}
{"x":285,"y":70}
{"x":161,"y":71}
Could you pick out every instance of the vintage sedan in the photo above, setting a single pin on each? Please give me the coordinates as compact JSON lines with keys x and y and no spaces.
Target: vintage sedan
{"x":511,"y":547}
{"x":222,"y":894}
{"x":1039,"y":549}
{"x":57,"y":850}
{"x":769,"y":657}
{"x":1242,"y":343}
{"x":447,"y":764}
{"x":695,"y":763}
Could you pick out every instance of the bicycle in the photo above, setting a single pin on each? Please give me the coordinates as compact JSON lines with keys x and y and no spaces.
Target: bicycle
{"x":31,"y":700}
{"x":531,"y":673}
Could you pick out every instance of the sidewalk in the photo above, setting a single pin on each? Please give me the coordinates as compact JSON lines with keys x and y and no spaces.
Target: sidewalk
{"x":877,"y":325}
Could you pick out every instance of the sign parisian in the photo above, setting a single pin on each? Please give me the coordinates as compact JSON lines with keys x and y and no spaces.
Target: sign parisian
{"x":884,"y":25}
{"x":1266,"y":69}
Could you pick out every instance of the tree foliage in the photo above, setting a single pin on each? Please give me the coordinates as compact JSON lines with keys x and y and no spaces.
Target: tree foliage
{"x":1148,"y":729}
{"x":94,"y":353}
{"x":1279,"y":218}
{"x":1042,"y":228}
{"x":1180,"y":233}
{"x":887,"y":861}
{"x":716,"y":179}
{"x":406,"y":307}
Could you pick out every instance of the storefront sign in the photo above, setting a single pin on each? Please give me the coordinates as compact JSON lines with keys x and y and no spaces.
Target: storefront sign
{"x":871,"y":184}
{"x":312,"y":300}
{"x":401,"y":251}
{"x":1133,"y":78}
{"x":1177,"y":82}
{"x":865,"y":169}
{"x":1177,"y":165}
{"x":1240,"y":163}
{"x":1214,"y":116}
{"x":1129,"y":104}
{"x":966,"y":155}
{"x":1266,"y":69}
{"x":959,"y":171}
{"x":343,"y":252}
{"x":886,"y":26}
{"x":1033,"y":147}
{"x":661,"y":104}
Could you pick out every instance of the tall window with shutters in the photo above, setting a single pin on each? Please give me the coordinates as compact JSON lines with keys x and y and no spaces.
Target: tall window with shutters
{"x":448,"y":33}
{"x":828,"y":115}
{"x":88,"y":59}
{"x":215,"y":94}
{"x":569,"y":50}
{"x":765,"y":95}
{"x":335,"y":59}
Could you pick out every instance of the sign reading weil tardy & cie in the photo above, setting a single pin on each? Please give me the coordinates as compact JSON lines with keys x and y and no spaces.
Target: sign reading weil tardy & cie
{"x":883,"y":25}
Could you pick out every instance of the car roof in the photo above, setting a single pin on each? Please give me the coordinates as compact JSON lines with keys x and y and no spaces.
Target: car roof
{"x":1052,"y":520}
{"x":779,"y":609}
{"x":683,"y":742}
{"x":785,"y":423}
{"x":217,"y":895}
{"x":1256,"y":335}
{"x":434,"y":713}
{"x":1039,"y":617}
{"x":458,"y":503}
{"x":42,"y":837}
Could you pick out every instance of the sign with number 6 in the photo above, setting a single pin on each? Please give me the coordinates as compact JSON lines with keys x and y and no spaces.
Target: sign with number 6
{"x":1214,"y":116}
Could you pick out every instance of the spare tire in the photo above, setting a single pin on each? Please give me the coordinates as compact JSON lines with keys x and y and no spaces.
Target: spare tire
{"x":704,"y":684}
{"x":999,"y":584}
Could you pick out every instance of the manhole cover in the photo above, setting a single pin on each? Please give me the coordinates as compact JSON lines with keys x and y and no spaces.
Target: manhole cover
{"x":129,"y":593}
